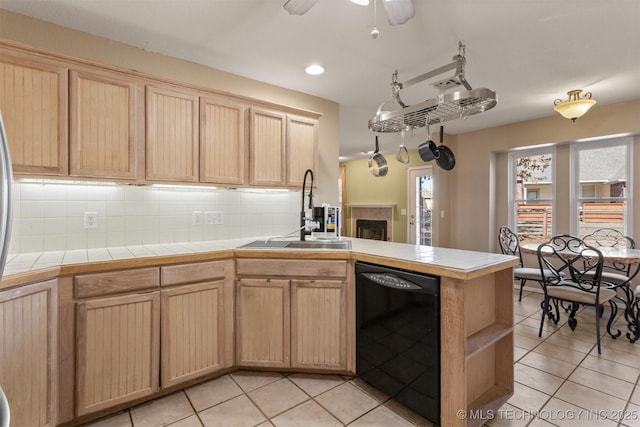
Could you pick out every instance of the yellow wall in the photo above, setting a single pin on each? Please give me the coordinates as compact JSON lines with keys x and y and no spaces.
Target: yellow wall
{"x":476,"y":190}
{"x":364,"y":188}
{"x":41,"y":34}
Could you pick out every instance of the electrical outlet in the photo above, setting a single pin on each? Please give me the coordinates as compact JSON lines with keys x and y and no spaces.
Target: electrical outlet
{"x":213,"y":217}
{"x":218,"y":217}
{"x":208,"y":217}
{"x":197,"y":217}
{"x":91,"y":220}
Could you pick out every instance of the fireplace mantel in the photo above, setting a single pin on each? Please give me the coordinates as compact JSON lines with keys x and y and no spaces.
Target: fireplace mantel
{"x":373,"y":211}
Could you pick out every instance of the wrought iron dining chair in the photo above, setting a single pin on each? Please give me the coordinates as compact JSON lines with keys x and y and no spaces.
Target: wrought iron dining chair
{"x":634,"y":326}
{"x":581,"y":285}
{"x":509,"y":245}
{"x":617,"y":273}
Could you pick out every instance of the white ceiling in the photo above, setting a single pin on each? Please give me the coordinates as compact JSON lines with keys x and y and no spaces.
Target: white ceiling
{"x":529,"y":51}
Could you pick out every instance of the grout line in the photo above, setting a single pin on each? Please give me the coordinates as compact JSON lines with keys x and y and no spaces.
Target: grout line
{"x":565,"y":380}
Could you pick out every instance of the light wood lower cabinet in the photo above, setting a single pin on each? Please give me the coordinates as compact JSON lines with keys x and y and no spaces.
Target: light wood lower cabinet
{"x":118,"y":350}
{"x":318,"y":324}
{"x":28,"y":353}
{"x":262,"y":322}
{"x":295,"y":316}
{"x":193,"y":335}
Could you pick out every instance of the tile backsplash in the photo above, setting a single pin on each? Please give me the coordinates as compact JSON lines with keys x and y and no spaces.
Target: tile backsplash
{"x":50,"y":216}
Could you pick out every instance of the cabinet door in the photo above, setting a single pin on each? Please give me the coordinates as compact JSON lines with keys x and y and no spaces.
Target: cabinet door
{"x":118,"y":350}
{"x":193,"y":338}
{"x":318,"y":324}
{"x":28,"y":353}
{"x":222,"y":141}
{"x":267,"y":151}
{"x":262,"y":323}
{"x":34,"y":105}
{"x":302,"y":148}
{"x":172,"y":135}
{"x":104,"y":125}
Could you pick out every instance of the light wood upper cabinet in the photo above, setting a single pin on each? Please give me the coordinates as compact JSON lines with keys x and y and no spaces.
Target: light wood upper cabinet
{"x":105,"y":125}
{"x":172,"y":134}
{"x":267,"y":151}
{"x":222,"y":141}
{"x":263,"y":323}
{"x":28,"y":353}
{"x":34,"y":105}
{"x":302,"y":148}
{"x":118,"y":350}
{"x":318,"y":324}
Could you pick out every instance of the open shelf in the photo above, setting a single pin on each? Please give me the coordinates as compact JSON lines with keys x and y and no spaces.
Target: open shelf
{"x":487,"y":336}
{"x":487,"y":405}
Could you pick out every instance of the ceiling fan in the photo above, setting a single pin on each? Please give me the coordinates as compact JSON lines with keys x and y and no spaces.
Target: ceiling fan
{"x":398,"y":11}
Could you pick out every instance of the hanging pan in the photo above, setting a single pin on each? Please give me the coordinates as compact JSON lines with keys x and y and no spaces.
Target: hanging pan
{"x":377,"y":162}
{"x":428,"y":150}
{"x":402,"y":155}
{"x":447,"y":160}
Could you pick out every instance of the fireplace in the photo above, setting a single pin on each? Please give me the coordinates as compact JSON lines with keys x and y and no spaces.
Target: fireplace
{"x":371,"y":221}
{"x":371,"y":229}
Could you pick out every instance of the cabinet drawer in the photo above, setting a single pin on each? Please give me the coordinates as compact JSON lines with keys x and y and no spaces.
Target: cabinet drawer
{"x":188,"y":273}
{"x":291,"y":267}
{"x":114,"y":282}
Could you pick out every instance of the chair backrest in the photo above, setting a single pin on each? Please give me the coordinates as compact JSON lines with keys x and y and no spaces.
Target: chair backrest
{"x":609,"y":237}
{"x":581,"y":264}
{"x":509,"y":244}
{"x":612,"y":238}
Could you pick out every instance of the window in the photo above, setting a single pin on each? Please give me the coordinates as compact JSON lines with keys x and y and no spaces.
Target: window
{"x":601,"y":184}
{"x":531,"y":194}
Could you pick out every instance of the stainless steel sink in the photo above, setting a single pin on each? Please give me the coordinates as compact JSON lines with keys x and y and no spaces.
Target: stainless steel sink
{"x":320,"y":244}
{"x":267,"y":244}
{"x":297,"y":244}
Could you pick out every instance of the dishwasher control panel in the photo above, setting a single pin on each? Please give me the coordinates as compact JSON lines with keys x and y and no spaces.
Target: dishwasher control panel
{"x":391,"y":280}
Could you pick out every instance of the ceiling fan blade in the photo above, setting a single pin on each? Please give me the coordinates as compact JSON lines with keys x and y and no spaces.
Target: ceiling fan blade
{"x":399,"y":11}
{"x":299,"y":7}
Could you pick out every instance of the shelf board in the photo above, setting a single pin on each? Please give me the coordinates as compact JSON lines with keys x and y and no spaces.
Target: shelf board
{"x":487,"y":336}
{"x":487,"y":404}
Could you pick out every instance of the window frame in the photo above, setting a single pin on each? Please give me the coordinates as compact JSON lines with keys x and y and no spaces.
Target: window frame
{"x":574,"y":181}
{"x":512,"y":171}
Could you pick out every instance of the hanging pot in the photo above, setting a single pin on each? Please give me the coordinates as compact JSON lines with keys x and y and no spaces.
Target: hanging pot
{"x":447,"y":160}
{"x":428,"y":150}
{"x":377,"y":162}
{"x":402,"y":155}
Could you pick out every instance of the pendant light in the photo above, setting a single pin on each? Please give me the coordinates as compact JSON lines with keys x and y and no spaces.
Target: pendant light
{"x":574,"y":107}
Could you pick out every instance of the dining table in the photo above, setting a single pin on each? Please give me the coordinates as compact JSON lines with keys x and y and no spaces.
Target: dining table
{"x":617,"y":255}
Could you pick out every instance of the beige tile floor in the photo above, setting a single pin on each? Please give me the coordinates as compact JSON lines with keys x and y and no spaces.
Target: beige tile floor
{"x":559,"y":380}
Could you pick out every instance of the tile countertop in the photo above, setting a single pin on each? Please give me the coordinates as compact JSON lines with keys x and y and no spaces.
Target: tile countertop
{"x":432,"y":260}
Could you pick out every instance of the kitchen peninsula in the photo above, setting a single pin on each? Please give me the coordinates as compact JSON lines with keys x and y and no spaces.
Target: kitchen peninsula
{"x":66,"y":302}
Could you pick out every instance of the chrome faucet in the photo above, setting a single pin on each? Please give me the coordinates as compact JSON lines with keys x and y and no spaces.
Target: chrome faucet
{"x":303,"y":216}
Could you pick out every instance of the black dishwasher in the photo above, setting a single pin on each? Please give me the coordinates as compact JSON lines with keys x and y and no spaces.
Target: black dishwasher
{"x":398,"y":335}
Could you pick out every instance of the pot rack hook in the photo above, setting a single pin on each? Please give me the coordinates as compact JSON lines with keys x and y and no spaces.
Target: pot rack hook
{"x":395,"y":89}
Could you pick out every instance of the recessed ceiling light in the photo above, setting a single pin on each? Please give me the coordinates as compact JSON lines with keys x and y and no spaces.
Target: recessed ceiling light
{"x":361,"y":2}
{"x":315,"y":69}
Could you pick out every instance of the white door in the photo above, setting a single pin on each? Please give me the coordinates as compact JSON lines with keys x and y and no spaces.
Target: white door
{"x":420,"y":205}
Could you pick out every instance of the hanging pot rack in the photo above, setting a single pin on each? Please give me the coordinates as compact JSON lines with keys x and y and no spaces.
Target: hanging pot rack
{"x":447,"y":106}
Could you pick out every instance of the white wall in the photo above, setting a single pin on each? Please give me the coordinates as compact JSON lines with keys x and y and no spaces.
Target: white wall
{"x":50,"y":217}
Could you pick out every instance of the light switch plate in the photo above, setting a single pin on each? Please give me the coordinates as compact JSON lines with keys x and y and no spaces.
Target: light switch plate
{"x":197,"y":218}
